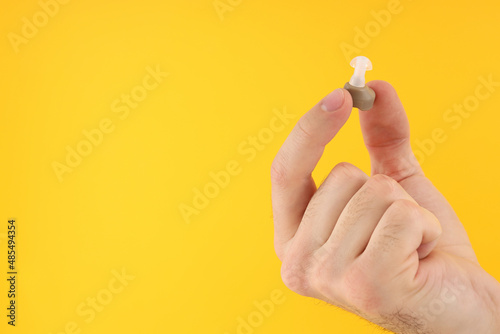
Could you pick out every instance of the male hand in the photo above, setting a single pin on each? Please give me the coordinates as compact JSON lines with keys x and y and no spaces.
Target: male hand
{"x":387,"y":247}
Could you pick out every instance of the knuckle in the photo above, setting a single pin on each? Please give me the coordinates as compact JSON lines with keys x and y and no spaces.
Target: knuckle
{"x":360,"y":290}
{"x":323,"y":278}
{"x":278,"y":172}
{"x":380,"y":185}
{"x":322,"y":282}
{"x":344,"y":173}
{"x":326,"y":273}
{"x":390,"y":236}
{"x":402,"y":219}
{"x":318,"y":273}
{"x":304,"y":130}
{"x":294,"y":276}
{"x":404,"y":210}
{"x":345,"y":170}
{"x":402,"y":167}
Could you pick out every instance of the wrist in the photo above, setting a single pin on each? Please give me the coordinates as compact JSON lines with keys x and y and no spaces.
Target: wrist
{"x":491,"y":296}
{"x":496,"y":310}
{"x":477,"y":309}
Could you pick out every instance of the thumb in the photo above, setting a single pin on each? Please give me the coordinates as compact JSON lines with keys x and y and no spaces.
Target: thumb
{"x":386,"y":133}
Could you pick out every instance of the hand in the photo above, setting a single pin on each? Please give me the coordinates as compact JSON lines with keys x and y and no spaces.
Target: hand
{"x":387,"y":247}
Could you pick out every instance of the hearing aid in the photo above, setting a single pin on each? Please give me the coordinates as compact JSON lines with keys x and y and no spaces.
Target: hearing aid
{"x":362,"y":95}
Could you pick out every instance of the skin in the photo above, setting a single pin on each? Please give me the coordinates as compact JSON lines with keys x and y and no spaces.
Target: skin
{"x":387,"y":247}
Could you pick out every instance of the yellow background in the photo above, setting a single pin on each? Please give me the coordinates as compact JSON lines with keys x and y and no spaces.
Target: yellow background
{"x":119,"y":208}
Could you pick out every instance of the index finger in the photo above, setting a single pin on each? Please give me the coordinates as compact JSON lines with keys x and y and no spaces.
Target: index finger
{"x":292,"y":183}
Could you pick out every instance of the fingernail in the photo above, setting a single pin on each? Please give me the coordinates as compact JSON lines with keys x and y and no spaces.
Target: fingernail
{"x":334,"y":100}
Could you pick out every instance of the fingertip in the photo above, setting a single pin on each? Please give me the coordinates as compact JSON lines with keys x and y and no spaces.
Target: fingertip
{"x":386,"y":121}
{"x":381,"y":86}
{"x":334,"y":100}
{"x":434,"y":228}
{"x":425,"y":249}
{"x":385,"y":95}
